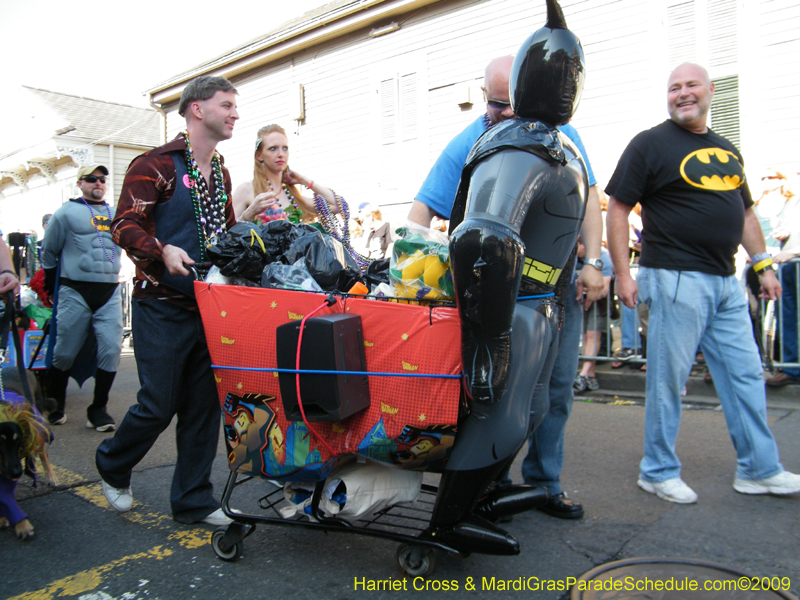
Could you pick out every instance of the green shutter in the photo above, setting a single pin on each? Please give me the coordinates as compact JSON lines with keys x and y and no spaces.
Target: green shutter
{"x":725,"y":109}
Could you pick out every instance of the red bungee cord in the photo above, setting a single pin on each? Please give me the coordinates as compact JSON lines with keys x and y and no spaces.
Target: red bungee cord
{"x":329,"y":301}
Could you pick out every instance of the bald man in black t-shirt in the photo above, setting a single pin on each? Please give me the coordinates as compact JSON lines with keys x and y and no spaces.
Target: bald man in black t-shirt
{"x":696,"y":210}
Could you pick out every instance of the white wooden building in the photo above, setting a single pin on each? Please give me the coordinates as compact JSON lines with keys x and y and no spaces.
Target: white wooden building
{"x":370,"y":91}
{"x":59,"y":133}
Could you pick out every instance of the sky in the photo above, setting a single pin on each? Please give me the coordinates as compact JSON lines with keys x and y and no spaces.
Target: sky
{"x":114,"y":50}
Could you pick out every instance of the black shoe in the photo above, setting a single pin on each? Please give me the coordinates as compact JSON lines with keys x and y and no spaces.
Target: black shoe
{"x":57,"y":418}
{"x":625,"y":354}
{"x":99,"y":419}
{"x":562,"y":507}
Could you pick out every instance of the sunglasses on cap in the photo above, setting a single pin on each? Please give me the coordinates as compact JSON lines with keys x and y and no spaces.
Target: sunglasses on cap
{"x":94,"y":178}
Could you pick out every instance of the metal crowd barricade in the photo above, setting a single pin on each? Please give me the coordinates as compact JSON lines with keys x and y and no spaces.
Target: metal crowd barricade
{"x":611,"y":336}
{"x":784,"y":313}
{"x":778,"y":320}
{"x":127,"y":296}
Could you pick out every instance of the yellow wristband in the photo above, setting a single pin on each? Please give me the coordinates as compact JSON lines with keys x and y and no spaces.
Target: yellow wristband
{"x":761,"y":265}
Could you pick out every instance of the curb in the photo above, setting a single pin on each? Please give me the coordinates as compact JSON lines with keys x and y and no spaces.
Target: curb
{"x":629,"y":384}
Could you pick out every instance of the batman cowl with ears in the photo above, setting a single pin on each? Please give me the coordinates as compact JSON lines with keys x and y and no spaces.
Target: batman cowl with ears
{"x":517,"y":213}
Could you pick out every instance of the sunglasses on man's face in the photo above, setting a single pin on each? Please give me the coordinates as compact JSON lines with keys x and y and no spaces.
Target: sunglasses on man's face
{"x":94,"y":179}
{"x":498,"y":104}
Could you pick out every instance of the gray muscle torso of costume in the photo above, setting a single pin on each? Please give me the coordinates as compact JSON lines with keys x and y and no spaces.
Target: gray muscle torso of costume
{"x":80,"y":236}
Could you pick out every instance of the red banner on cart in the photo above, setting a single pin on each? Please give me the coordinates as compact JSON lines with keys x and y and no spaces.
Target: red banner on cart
{"x":410,"y":422}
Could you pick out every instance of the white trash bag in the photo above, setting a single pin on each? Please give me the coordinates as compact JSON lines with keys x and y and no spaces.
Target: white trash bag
{"x":368,"y":487}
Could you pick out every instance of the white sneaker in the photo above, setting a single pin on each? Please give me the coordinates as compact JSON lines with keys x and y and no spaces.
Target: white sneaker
{"x":673,"y":490}
{"x":217,"y":518}
{"x":120,"y":499}
{"x":782,"y":483}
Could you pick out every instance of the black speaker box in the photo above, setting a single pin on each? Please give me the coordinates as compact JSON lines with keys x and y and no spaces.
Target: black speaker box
{"x":330,"y":343}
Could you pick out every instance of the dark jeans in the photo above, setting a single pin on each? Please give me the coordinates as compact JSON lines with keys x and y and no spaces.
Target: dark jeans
{"x":545,"y":459}
{"x":788,"y":329}
{"x":176,"y":379}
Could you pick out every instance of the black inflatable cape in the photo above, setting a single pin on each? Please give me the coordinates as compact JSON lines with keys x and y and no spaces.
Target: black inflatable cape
{"x":85,"y":364}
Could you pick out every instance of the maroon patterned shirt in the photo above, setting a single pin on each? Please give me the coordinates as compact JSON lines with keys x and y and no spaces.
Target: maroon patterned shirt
{"x":150,"y":180}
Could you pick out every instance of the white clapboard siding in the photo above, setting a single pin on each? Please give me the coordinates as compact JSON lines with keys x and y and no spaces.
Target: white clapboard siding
{"x":777,"y":86}
{"x":100,"y":154}
{"x":122,"y":159}
{"x":345,"y":140}
{"x":619,"y":99}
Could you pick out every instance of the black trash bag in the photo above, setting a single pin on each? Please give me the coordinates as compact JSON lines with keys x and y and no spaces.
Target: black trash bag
{"x":329,"y":263}
{"x":289,"y":277}
{"x":348,"y":278}
{"x":240,"y":252}
{"x":278,"y":236}
{"x":377,"y":272}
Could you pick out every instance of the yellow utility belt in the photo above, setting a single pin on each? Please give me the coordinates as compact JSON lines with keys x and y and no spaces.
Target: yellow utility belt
{"x":539,"y":271}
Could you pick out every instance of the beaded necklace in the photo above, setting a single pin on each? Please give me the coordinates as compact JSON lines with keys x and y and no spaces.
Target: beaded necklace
{"x":331,"y":224}
{"x":97,"y":229}
{"x":294,"y":213}
{"x":209,"y":213}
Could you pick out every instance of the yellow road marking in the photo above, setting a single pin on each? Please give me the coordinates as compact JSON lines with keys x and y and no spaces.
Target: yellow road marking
{"x":93,"y":493}
{"x":191,"y":538}
{"x":66,"y":477}
{"x":90,"y":579}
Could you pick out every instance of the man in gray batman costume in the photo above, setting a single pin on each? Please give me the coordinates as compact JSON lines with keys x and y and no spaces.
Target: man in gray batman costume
{"x":81,"y":264}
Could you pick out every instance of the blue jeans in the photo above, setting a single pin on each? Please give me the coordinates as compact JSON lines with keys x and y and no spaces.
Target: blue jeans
{"x":545,"y":460}
{"x":788,"y":326}
{"x":176,"y":378}
{"x":630,"y":327}
{"x":711,"y":312}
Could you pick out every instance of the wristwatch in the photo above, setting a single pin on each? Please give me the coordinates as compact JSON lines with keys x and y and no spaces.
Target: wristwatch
{"x":769,"y":267}
{"x":597,"y":263}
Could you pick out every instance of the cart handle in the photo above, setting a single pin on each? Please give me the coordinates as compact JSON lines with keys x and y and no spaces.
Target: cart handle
{"x":193,"y":269}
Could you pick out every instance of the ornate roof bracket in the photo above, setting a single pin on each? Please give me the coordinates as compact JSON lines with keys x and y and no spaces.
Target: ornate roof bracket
{"x":80,"y":155}
{"x":17,"y":177}
{"x":45,"y":168}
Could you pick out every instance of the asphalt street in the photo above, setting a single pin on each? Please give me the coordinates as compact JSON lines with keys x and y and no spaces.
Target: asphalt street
{"x":83,"y":549}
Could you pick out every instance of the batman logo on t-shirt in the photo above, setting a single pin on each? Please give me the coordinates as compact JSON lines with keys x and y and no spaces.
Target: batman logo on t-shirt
{"x":712,"y":169}
{"x":101,"y":223}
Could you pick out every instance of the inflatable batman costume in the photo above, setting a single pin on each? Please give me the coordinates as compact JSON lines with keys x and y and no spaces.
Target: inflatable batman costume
{"x":516,"y":217}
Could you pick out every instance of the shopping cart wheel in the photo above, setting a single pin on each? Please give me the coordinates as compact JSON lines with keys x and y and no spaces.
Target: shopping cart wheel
{"x":224,"y":551}
{"x":416,"y":560}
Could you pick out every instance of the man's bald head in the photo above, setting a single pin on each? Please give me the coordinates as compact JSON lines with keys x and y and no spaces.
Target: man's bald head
{"x":689,"y":95}
{"x":495,"y":87}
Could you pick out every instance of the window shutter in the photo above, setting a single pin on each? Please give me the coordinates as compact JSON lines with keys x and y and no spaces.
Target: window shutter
{"x":723,"y":49}
{"x":725,"y":109}
{"x":388,"y":111}
{"x":681,"y":32}
{"x":408,"y":106}
{"x":399,"y":126}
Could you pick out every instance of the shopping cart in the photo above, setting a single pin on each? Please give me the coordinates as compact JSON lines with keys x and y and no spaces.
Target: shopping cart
{"x":413,"y":366}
